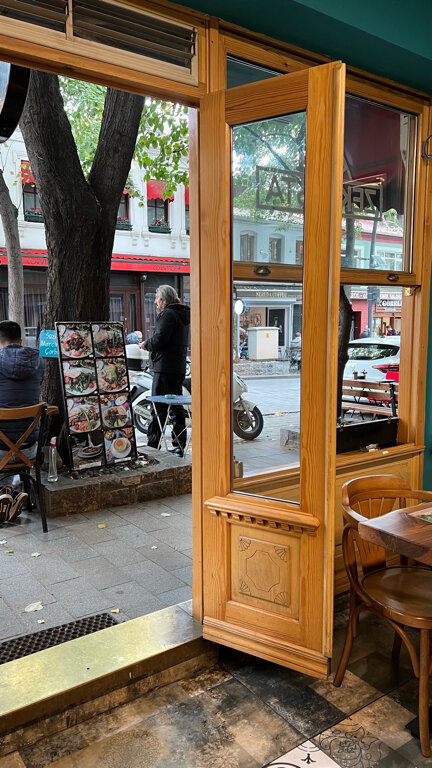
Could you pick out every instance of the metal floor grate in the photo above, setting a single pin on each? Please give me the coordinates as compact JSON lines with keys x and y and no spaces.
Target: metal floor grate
{"x":47,"y":638}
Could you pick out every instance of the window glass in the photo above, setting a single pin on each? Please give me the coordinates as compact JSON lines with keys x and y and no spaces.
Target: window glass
{"x":378,"y":187}
{"x":267,"y":355}
{"x":243,"y":72}
{"x":157,"y":212}
{"x":31,"y":201}
{"x":268,"y":167}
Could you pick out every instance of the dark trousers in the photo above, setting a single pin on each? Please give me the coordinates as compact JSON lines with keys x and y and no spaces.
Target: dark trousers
{"x":167,"y":384}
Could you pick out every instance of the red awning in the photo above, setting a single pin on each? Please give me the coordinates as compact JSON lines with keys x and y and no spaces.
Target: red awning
{"x":26,"y":173}
{"x":186,"y":195}
{"x":155,"y":191}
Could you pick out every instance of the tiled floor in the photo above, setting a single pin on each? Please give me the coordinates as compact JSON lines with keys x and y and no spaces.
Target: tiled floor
{"x":135,"y":559}
{"x":247,"y":713}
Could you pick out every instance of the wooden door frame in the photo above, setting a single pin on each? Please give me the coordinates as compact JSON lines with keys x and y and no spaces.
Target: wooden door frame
{"x":314,"y":518}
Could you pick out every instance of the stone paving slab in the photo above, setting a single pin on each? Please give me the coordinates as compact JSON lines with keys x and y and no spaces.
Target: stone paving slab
{"x":139,"y":562}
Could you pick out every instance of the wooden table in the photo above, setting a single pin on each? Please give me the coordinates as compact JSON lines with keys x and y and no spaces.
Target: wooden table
{"x":403,"y":532}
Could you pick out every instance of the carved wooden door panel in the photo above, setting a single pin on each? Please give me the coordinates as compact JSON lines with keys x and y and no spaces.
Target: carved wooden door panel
{"x":271,"y":157}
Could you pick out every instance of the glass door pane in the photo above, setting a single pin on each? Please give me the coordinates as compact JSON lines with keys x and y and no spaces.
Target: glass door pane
{"x":268,"y":172}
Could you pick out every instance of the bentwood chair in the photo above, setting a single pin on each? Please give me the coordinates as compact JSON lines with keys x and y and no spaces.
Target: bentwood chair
{"x":401,"y":594}
{"x":15,"y":462}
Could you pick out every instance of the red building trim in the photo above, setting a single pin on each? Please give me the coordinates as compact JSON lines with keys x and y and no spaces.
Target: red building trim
{"x":120,"y":262}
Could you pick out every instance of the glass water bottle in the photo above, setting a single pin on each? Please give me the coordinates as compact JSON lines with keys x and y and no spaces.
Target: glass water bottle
{"x":52,"y":476}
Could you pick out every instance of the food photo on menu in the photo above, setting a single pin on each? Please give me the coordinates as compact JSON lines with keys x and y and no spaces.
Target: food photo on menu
{"x":79,"y":376}
{"x":108,"y":339}
{"x":119,"y":445}
{"x":112,"y":374}
{"x":87,"y":449}
{"x":83,"y":414}
{"x":116,"y":411}
{"x":74,"y":339}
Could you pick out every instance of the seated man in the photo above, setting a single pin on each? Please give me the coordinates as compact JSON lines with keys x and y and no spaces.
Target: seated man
{"x":21,"y":374}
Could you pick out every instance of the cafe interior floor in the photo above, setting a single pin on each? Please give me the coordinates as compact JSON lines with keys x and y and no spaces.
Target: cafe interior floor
{"x":247,"y":713}
{"x":244,"y":713}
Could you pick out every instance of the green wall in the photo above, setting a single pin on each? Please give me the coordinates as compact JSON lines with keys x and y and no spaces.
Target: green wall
{"x":391,"y":38}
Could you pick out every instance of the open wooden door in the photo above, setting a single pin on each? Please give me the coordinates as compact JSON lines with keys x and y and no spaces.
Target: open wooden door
{"x":270,"y":169}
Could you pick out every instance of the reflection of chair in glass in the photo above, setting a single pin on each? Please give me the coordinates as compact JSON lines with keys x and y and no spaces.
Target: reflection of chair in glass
{"x":401,"y":594}
{"x":15,"y":462}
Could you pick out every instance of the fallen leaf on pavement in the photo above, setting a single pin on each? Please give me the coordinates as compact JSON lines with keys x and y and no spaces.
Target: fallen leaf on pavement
{"x":102,"y":525}
{"x":115,"y":610}
{"x":33,"y":607}
{"x":9,"y":551}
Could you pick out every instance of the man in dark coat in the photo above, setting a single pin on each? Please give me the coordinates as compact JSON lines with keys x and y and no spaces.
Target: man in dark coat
{"x":168,"y":348}
{"x":21,"y":374}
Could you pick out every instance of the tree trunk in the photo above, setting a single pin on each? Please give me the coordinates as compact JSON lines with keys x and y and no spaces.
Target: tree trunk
{"x":9,"y":217}
{"x":79,"y":215}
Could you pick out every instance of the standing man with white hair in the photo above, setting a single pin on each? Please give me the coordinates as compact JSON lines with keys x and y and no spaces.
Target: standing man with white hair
{"x":168,"y":349}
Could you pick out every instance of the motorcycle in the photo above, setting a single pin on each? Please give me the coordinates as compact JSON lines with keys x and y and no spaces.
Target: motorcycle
{"x":248,"y":421}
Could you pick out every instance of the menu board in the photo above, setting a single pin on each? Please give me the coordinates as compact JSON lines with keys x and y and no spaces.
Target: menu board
{"x":96,"y":390}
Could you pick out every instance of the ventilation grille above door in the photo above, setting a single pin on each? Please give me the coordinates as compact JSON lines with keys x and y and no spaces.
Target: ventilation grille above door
{"x":133,"y":31}
{"x":50,"y":14}
{"x":109,"y":31}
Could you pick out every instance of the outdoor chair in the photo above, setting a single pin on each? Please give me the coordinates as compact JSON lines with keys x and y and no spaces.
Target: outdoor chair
{"x":401,"y":594}
{"x":15,"y":462}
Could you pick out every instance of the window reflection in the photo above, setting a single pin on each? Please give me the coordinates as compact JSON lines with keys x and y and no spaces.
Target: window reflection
{"x":268,"y":167}
{"x":377,"y":187}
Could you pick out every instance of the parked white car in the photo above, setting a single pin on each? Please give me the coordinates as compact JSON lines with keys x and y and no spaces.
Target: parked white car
{"x":376,"y":356}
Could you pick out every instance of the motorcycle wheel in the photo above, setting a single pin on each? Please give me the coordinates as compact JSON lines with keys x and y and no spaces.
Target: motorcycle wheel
{"x":142,"y":418}
{"x":244,"y":427}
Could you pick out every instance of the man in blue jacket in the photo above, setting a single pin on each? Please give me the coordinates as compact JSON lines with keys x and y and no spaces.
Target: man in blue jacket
{"x":21,"y":374}
{"x":168,"y":348}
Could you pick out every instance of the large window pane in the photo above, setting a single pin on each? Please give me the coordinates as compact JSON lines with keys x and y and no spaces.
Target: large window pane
{"x":378,"y":187}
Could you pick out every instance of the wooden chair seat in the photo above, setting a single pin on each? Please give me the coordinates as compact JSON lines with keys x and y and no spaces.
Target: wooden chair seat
{"x":15,"y":462}
{"x":403,"y":594}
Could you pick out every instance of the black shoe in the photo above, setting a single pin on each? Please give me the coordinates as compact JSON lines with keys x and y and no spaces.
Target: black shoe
{"x":177,"y":452}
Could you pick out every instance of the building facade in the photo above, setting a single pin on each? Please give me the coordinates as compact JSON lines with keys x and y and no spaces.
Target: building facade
{"x":151,"y":246}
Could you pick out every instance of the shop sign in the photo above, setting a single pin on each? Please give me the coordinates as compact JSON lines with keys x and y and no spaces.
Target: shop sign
{"x":389,"y":304}
{"x":48,"y":344}
{"x":362,"y":201}
{"x":279,"y":190}
{"x":96,"y":391}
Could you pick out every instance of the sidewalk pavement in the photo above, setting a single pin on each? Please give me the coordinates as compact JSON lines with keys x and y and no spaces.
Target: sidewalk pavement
{"x":137,"y":559}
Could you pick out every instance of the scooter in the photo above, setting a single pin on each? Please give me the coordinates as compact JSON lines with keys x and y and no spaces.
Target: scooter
{"x":248,"y":421}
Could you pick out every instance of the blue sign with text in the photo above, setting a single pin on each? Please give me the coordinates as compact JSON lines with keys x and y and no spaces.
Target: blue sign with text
{"x":48,"y":344}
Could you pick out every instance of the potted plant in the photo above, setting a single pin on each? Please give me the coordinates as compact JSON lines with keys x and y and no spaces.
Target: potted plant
{"x":123,"y":223}
{"x":161,"y":226}
{"x":33,"y":214}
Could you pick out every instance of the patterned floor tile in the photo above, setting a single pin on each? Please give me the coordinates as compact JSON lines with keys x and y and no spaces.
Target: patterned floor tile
{"x":303,"y":755}
{"x":350,"y":745}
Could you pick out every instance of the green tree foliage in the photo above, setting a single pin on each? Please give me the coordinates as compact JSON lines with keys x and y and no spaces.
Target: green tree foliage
{"x":162,"y":140}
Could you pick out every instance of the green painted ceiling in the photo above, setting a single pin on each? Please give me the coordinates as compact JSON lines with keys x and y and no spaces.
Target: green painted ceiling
{"x":391,"y":38}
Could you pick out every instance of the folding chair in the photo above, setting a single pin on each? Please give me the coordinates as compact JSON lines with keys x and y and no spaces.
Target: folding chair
{"x":15,"y":462}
